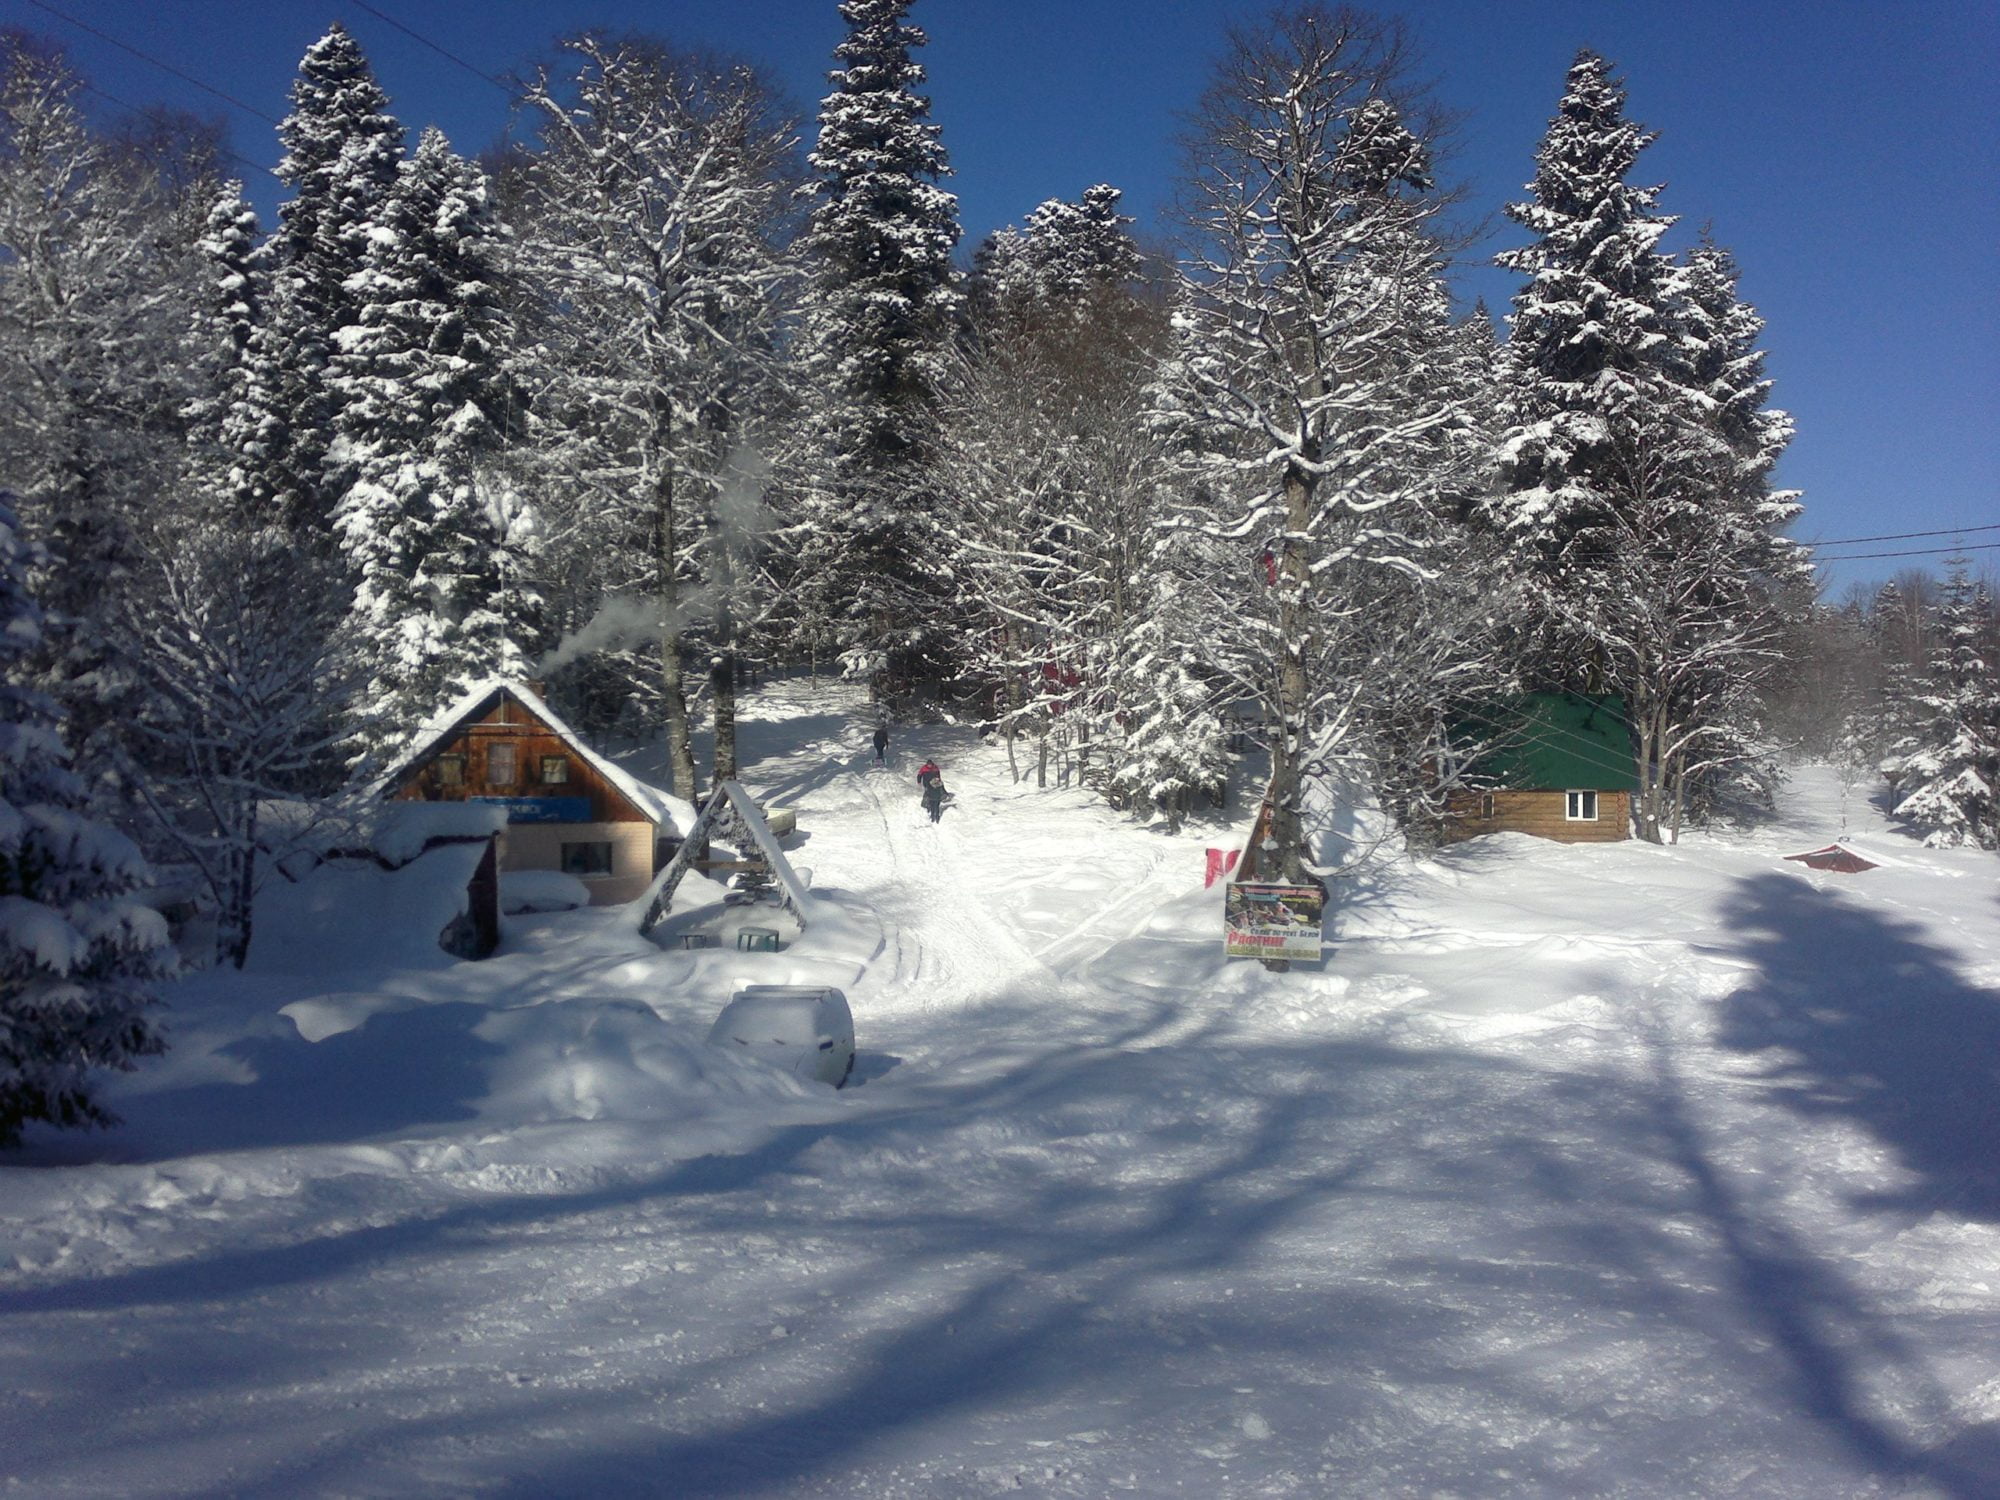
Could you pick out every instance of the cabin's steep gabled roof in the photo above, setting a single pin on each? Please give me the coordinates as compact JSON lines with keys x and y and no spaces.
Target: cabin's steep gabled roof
{"x":1548,"y":742}
{"x":478,"y":701}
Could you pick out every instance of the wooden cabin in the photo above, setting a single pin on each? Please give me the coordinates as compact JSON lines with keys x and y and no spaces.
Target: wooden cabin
{"x":1555,"y":765}
{"x":568,"y":808}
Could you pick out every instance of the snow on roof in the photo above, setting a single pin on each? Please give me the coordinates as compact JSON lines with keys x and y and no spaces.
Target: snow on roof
{"x":433,"y":731}
{"x":396,"y":832}
{"x":1845,"y":856}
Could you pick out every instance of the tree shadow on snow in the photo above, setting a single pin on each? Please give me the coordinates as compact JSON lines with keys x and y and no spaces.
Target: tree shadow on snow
{"x":1860,"y":1019}
{"x":1456,"y":1263}
{"x":397,"y":1071}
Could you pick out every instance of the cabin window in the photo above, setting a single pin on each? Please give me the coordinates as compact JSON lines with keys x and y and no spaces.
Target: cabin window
{"x":1580,"y":807}
{"x":500,"y":770}
{"x":555,"y":769}
{"x":1486,"y":807}
{"x":586,"y":859}
{"x":451,"y":770}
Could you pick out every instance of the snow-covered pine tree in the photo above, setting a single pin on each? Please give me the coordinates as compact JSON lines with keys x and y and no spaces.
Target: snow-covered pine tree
{"x":1719,"y":335}
{"x":1167,"y":741}
{"x":1769,"y":576}
{"x":342,"y":152}
{"x":1881,"y":726}
{"x":1593,"y":370}
{"x":1636,"y":502}
{"x":1301,"y":332}
{"x":423,"y":407}
{"x":648,"y":230}
{"x":229,"y":311}
{"x":233,"y":421}
{"x":874,"y":351}
{"x":78,"y":956}
{"x":1065,"y":262}
{"x":1948,"y":784}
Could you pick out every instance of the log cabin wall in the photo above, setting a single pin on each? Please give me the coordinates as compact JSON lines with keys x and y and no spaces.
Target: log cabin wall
{"x":1543,"y":814}
{"x":508,"y":723}
{"x":567,"y":815}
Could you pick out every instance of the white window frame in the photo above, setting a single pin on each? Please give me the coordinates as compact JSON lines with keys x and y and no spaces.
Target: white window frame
{"x":1574,"y":803}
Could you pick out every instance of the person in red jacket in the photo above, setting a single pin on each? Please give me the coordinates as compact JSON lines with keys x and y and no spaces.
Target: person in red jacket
{"x":931,"y":779}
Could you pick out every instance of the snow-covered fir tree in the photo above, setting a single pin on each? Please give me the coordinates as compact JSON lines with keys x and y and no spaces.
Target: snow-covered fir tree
{"x":874,"y":348}
{"x":1168,"y":746}
{"x":1880,"y":727}
{"x":229,"y":311}
{"x":1635,"y":506}
{"x":1062,"y":262}
{"x":342,"y":152}
{"x":1592,"y":364}
{"x":434,"y":537}
{"x":234,"y":424}
{"x":79,"y":957}
{"x":1948,"y":782}
{"x":648,"y":232}
{"x":1767,"y":576}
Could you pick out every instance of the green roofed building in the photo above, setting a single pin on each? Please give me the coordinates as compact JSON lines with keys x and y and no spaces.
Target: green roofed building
{"x":1555,"y":765}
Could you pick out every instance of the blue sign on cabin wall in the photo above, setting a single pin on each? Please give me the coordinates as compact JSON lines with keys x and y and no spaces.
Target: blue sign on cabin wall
{"x":542,"y":809}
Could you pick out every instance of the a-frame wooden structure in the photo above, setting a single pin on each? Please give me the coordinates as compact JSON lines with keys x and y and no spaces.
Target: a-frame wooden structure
{"x":732,"y":817}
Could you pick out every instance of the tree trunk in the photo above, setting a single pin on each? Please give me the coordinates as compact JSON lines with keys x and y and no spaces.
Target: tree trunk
{"x":1011,"y":687}
{"x":722,"y":672}
{"x":1288,"y":747}
{"x":242,"y":899}
{"x":1651,"y":736}
{"x":673,"y":687}
{"x":673,"y":680}
{"x":1679,"y":797}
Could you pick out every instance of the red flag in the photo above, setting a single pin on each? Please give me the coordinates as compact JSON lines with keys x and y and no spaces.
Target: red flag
{"x":1220,"y":862}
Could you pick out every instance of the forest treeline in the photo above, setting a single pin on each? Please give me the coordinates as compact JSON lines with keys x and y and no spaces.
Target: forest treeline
{"x":680,"y":386}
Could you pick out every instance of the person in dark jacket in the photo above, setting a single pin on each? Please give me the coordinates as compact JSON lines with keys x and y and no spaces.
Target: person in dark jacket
{"x":931,"y":779}
{"x":881,"y":744}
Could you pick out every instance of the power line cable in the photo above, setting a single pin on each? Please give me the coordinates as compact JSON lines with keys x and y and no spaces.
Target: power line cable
{"x":448,"y":55}
{"x":165,"y":67}
{"x":1918,"y":552}
{"x":1894,"y":536}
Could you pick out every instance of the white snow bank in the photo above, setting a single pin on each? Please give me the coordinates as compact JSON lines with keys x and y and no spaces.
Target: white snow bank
{"x":541,"y":890}
{"x":351,"y":913}
{"x":611,"y":1060}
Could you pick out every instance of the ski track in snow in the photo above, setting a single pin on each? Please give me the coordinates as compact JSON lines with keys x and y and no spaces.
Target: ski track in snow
{"x":1630,"y":1171}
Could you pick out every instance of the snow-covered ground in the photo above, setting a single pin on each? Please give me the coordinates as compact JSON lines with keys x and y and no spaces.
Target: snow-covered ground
{"x":1610,"y":1170}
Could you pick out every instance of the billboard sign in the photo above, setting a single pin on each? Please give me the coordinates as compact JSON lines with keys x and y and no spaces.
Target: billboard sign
{"x":542,"y":809}
{"x":1272,"y":921}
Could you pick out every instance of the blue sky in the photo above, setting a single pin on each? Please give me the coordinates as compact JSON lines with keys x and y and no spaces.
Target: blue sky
{"x":1847,"y":153}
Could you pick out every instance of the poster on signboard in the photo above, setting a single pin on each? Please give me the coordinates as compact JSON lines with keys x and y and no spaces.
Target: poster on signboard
{"x":1272,"y":921}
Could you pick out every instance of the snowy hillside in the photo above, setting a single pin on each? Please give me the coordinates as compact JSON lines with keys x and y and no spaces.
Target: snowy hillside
{"x":1619,"y":1169}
